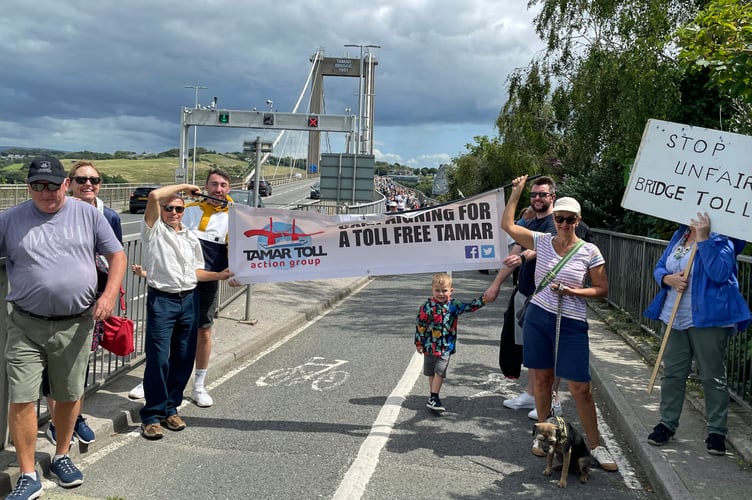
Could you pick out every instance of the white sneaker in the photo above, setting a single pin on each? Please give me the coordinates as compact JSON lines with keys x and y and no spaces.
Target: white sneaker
{"x":137,"y":392}
{"x":537,"y":451}
{"x":533,"y":414}
{"x":601,"y":455}
{"x":524,"y":400}
{"x":201,"y":398}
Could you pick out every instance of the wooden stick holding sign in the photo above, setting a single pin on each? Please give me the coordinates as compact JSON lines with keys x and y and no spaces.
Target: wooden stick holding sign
{"x":670,"y":323}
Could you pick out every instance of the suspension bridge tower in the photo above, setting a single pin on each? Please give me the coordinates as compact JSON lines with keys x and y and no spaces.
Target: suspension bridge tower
{"x":362,"y":68}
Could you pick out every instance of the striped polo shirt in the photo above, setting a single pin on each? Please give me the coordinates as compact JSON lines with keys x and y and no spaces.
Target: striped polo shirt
{"x":573,"y":275}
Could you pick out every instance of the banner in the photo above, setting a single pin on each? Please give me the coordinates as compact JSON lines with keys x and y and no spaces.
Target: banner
{"x":287,"y":245}
{"x":681,"y":170}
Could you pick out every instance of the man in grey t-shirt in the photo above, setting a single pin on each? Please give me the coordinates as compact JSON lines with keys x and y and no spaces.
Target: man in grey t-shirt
{"x":50,"y":242}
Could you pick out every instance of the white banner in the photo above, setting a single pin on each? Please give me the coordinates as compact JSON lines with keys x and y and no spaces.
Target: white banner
{"x":287,"y":245}
{"x":681,"y":170}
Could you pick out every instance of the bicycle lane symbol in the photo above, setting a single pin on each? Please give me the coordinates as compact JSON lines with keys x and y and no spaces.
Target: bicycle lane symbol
{"x":320,"y":374}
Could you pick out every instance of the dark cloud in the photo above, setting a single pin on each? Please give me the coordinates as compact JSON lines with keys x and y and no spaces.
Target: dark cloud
{"x":111,"y":75}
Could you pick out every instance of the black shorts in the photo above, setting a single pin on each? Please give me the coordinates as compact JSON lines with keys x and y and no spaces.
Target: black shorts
{"x":207,"y":302}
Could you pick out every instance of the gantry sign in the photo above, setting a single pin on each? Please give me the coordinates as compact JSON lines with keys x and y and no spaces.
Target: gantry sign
{"x":199,"y":117}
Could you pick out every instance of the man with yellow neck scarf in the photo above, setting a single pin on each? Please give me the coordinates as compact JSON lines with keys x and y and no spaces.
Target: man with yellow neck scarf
{"x":209,"y":220}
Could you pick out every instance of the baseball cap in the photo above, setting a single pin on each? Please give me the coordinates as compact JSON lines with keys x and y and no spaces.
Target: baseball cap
{"x":46,"y":168}
{"x":567,"y":204}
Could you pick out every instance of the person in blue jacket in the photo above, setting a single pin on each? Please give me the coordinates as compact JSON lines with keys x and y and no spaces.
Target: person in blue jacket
{"x":711,"y":308}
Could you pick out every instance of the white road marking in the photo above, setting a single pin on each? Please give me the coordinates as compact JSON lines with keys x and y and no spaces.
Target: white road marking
{"x":359,"y":474}
{"x":607,"y":438}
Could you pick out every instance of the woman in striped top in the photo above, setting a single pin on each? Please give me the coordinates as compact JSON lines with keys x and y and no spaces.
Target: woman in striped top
{"x":555,"y":327}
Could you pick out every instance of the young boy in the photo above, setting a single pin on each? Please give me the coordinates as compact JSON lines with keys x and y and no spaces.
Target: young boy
{"x":436,"y":333}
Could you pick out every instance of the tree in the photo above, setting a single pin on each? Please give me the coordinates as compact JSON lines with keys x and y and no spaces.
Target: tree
{"x":578,"y":111}
{"x":717,"y":45}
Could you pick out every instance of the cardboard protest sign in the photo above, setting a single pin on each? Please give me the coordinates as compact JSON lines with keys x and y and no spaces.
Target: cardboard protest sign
{"x":681,"y":170}
{"x":288,"y":245}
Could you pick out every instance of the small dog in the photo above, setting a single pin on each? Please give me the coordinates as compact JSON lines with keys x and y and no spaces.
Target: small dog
{"x":558,"y":437}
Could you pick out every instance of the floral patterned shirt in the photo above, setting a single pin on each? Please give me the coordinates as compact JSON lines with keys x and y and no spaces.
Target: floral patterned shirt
{"x":436,"y":325}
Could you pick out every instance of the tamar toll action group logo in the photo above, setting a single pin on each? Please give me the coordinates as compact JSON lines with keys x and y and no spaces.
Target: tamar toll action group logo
{"x":283,"y":245}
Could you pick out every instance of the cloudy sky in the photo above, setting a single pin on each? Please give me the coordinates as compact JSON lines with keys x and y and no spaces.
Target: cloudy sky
{"x":110,"y":75}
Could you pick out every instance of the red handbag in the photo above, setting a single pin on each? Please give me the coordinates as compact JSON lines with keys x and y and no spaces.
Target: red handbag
{"x":117,"y":336}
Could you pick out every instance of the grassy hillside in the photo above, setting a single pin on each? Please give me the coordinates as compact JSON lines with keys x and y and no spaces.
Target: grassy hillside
{"x":162,"y":170}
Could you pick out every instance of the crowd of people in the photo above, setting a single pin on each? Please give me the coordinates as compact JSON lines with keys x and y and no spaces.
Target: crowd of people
{"x":399,"y":198}
{"x":65,"y":265}
{"x":64,"y":284}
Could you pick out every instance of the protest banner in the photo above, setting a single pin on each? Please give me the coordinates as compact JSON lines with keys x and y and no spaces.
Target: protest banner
{"x":681,"y":170}
{"x":288,"y":245}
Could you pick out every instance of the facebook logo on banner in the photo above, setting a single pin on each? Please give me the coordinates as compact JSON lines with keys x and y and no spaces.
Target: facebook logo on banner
{"x":484,"y":252}
{"x":471,"y":252}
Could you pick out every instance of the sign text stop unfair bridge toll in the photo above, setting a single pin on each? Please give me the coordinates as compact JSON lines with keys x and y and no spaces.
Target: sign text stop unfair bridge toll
{"x":682,"y":170}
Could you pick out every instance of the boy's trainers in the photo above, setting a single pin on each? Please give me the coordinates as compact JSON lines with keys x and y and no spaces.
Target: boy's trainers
{"x":524,"y":400}
{"x":66,"y":473}
{"x":434,"y":404}
{"x":52,"y":437}
{"x":26,"y":488}
{"x":83,"y":432}
{"x":716,"y":444}
{"x":660,"y":435}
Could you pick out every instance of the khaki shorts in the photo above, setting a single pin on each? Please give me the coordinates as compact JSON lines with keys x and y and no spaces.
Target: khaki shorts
{"x":63,"y":346}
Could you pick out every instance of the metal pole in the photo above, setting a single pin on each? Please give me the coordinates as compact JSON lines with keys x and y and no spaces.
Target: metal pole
{"x":257,"y":173}
{"x":360,"y":103}
{"x":257,"y":177}
{"x":196,"y":88}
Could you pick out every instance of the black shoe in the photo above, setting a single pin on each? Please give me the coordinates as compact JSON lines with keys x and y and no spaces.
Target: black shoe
{"x":716,"y":444}
{"x":434,"y":404}
{"x":660,"y":435}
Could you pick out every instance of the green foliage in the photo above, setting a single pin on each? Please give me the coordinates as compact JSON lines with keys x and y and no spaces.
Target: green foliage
{"x":578,"y":111}
{"x":719,"y":40}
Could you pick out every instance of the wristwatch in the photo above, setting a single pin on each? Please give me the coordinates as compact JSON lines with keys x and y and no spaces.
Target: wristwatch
{"x":522,"y":258}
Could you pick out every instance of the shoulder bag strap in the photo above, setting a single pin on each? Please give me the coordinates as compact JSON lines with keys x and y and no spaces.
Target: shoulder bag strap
{"x":553,"y":272}
{"x":122,"y":302}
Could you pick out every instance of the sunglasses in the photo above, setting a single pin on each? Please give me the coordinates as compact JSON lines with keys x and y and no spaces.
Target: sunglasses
{"x":41,"y":186}
{"x":539,"y":195}
{"x":570,"y":220}
{"x":178,"y":209}
{"x":82,"y":180}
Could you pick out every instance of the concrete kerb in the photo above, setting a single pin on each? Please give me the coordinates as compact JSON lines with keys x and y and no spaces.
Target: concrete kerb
{"x":633,"y":369}
{"x":662,"y":476}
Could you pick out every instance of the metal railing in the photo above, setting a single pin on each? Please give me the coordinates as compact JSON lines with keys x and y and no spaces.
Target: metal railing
{"x":630,"y":261}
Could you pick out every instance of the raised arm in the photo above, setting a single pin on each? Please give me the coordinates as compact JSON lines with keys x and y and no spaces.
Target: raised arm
{"x":520,"y":234}
{"x":156,"y":197}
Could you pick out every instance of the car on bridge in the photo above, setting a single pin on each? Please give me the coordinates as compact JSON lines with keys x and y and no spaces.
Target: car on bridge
{"x":265,"y":187}
{"x":315,"y":192}
{"x":139,"y":197}
{"x":244,"y":197}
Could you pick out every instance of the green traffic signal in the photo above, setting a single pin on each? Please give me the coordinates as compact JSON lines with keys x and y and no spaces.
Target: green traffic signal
{"x":224,"y":117}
